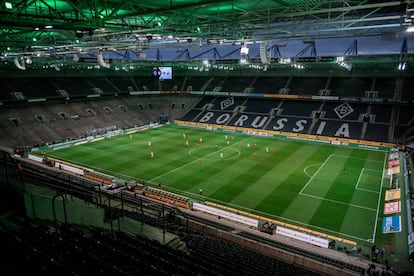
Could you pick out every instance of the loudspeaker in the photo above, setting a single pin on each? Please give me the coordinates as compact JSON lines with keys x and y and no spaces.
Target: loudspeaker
{"x":102,"y":62}
{"x":76,"y":57}
{"x":263,"y":53}
{"x":18,"y":65}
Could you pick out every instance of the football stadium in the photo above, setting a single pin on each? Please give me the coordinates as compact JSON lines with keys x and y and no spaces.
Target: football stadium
{"x":207,"y":137}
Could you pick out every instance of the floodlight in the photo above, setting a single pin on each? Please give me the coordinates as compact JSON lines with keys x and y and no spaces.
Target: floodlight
{"x":244,"y":50}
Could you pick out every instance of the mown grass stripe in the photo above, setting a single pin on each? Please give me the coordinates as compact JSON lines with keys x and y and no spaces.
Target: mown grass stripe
{"x":274,"y":184}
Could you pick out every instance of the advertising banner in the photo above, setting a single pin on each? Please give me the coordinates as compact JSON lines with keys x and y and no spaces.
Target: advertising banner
{"x":391,"y":224}
{"x":302,"y":236}
{"x":393,"y":194}
{"x":392,"y":207}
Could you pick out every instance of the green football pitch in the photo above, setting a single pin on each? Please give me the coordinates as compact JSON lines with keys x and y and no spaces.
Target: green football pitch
{"x":335,"y":190}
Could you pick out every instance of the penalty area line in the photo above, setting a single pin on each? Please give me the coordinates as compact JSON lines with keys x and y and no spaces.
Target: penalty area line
{"x":359,"y":179}
{"x":305,"y":170}
{"x":313,"y":176}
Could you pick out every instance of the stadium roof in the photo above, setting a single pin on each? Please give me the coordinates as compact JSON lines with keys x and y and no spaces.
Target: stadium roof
{"x":183,"y":30}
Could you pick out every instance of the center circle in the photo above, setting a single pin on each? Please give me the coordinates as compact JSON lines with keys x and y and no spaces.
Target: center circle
{"x":213,"y":153}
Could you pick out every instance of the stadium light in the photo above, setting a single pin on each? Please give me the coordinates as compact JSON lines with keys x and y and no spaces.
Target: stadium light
{"x":340,"y":59}
{"x":341,"y":62}
{"x":285,"y":61}
{"x":402,"y":66}
{"x":244,"y":50}
{"x":76,"y":57}
{"x":297,"y":66}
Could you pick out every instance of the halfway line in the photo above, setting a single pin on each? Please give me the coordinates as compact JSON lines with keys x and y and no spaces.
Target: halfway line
{"x":185,"y":165}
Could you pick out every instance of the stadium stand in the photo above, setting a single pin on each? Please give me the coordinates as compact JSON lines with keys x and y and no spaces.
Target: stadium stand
{"x":323,"y":258}
{"x":166,"y":197}
{"x":271,"y":85}
{"x":230,"y":103}
{"x":381,"y":113}
{"x":76,"y":249}
{"x":407,"y":92}
{"x":147,"y":84}
{"x":406,"y":115}
{"x":289,"y":124}
{"x":7,"y":94}
{"x":72,"y":86}
{"x":322,"y":90}
{"x":84,"y":251}
{"x":214,"y":84}
{"x":236,"y":260}
{"x":100,"y":85}
{"x":299,"y":108}
{"x":31,"y":88}
{"x":238,"y":84}
{"x":122,"y":84}
{"x":347,"y":111}
{"x":307,"y":85}
{"x":196,"y":83}
{"x":191,"y":115}
{"x":44,"y":123}
{"x":99,"y":177}
{"x":204,"y":101}
{"x":326,"y":118}
{"x":173,"y":85}
{"x":349,"y":87}
{"x":254,"y":105}
{"x":74,"y":119}
{"x":385,"y":88}
{"x":122,"y":112}
{"x":376,"y":132}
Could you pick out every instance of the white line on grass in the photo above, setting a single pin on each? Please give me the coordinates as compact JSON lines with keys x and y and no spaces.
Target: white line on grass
{"x":129,"y":176}
{"x":234,"y":205}
{"x":285,"y":219}
{"x":153,"y":138}
{"x":339,"y":202}
{"x":356,"y":158}
{"x":271,"y":216}
{"x":307,"y":183}
{"x":305,"y":170}
{"x":359,"y":178}
{"x":367,"y":190}
{"x":185,"y":165}
{"x":379,"y":199}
